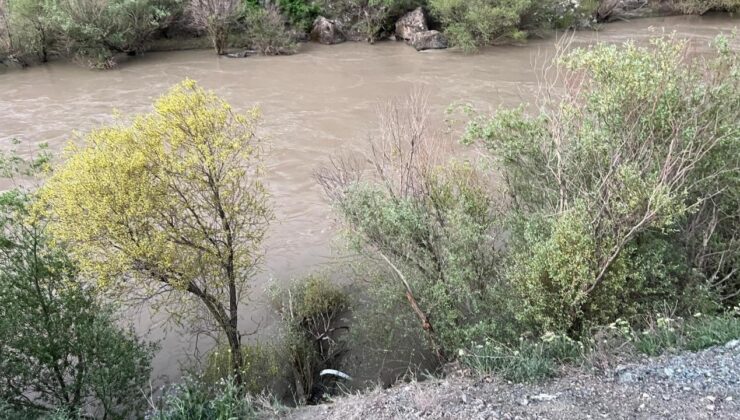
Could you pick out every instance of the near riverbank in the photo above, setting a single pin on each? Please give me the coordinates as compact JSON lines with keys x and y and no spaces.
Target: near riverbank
{"x":701,"y":385}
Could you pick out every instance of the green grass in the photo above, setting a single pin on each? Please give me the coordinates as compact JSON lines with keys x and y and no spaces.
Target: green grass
{"x":529,"y":361}
{"x":535,"y":360}
{"x":697,"y":333}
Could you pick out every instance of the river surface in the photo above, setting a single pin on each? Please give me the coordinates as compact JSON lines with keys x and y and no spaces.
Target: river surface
{"x":317,"y":103}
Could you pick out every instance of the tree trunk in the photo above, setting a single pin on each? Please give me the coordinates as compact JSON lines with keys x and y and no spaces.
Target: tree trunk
{"x":237,"y":360}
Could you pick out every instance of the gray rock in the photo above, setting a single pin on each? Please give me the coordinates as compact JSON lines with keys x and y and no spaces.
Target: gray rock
{"x":327,"y":31}
{"x":543,"y":397}
{"x":626,"y":377}
{"x":411,"y":23}
{"x":429,"y":40}
{"x":240,"y":54}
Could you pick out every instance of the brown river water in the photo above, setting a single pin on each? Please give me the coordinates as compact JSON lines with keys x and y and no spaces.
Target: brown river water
{"x":317,"y":103}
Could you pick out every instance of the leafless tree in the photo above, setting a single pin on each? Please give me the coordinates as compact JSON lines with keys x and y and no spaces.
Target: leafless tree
{"x":217,"y":18}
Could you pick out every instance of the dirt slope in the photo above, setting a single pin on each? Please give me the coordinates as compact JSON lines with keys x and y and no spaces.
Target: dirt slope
{"x":703,"y":385}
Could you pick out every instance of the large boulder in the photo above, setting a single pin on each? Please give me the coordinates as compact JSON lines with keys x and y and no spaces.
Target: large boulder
{"x":327,"y":31}
{"x":428,"y":40}
{"x":411,"y":23}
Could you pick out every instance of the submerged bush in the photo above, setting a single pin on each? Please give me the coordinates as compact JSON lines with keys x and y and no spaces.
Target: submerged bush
{"x":311,"y":311}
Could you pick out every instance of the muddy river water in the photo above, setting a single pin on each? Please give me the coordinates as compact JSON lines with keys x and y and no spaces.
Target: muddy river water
{"x":316,"y":103}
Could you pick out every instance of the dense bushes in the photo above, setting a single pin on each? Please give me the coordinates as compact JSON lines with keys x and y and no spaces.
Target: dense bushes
{"x":95,"y":31}
{"x":618,"y":197}
{"x":26,"y":32}
{"x":89,"y":30}
{"x":57,"y":343}
{"x":300,"y":13}
{"x":633,"y":167}
{"x":429,"y":220}
{"x":471,"y":24}
{"x":194,"y":400}
{"x":477,"y":23}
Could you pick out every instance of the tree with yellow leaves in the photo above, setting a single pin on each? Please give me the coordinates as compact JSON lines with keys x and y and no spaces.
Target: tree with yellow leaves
{"x":171,"y":205}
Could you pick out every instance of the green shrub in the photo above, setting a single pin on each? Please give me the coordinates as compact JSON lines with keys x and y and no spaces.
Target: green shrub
{"x":526,"y":361}
{"x":614,"y":185}
{"x":266,"y":31}
{"x":95,"y":31}
{"x":669,"y":333}
{"x":195,"y":400}
{"x":26,"y":30}
{"x":300,"y":13}
{"x":57,"y":342}
{"x":470,"y":24}
{"x":260,"y":367}
{"x":429,"y":221}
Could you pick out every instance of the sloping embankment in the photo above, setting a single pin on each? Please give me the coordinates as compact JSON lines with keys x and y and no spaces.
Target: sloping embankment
{"x":700,"y":385}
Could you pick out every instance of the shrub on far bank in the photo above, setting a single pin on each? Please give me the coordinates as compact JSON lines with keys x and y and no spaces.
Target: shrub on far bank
{"x":95,"y":31}
{"x":266,"y":31}
{"x":26,"y":31}
{"x":700,"y":7}
{"x":300,"y":13}
{"x":472,"y":24}
{"x":218,"y":18}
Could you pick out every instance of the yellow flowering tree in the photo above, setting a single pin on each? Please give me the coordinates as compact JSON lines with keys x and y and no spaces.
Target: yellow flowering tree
{"x":171,"y":205}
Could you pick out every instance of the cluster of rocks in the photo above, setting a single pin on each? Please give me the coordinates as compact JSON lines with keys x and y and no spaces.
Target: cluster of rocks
{"x":411,"y":28}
